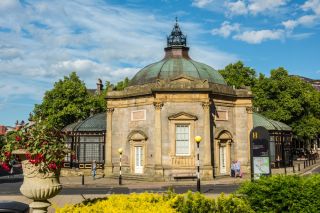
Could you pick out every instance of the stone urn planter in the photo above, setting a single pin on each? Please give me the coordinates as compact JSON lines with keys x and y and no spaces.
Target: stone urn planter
{"x":37,"y":185}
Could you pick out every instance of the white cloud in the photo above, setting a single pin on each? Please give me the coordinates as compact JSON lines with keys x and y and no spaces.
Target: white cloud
{"x":226,"y":29}
{"x":259,"y":6}
{"x":313,"y":5}
{"x":201,"y":3}
{"x":237,"y":8}
{"x":306,"y":20}
{"x":8,"y":4}
{"x":256,"y":37}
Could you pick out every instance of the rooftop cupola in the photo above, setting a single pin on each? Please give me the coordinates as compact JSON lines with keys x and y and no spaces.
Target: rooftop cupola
{"x":176,"y":43}
{"x":175,"y":63}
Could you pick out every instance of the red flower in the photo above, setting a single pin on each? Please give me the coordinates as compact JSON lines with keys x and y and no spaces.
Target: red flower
{"x":7,"y":154}
{"x":52,"y":166}
{"x":18,"y":138}
{"x":33,"y":161}
{"x":39,"y":157}
{"x":6,"y":166}
{"x":28,"y":156}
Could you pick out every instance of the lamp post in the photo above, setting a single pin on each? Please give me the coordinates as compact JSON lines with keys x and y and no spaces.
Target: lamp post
{"x":120,"y":177}
{"x":198,"y":140}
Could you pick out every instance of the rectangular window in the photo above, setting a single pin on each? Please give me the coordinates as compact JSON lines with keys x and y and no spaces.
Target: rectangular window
{"x":182,"y":139}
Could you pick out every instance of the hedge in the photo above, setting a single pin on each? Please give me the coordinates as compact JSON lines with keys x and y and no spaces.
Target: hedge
{"x":282,"y":193}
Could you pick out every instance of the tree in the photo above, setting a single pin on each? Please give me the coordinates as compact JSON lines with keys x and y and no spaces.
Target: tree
{"x":290,"y":100}
{"x":239,"y":75}
{"x":122,"y":84}
{"x":67,"y":102}
{"x":2,"y":141}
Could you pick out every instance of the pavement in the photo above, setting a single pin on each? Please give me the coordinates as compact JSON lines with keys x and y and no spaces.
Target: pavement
{"x":100,"y":182}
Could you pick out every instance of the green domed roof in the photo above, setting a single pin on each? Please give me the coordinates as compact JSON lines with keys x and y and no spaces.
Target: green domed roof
{"x":176,"y":63}
{"x":170,"y":67}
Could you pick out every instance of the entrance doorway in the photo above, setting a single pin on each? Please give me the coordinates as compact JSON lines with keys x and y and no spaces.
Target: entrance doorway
{"x":138,"y":159}
{"x":223,"y":160}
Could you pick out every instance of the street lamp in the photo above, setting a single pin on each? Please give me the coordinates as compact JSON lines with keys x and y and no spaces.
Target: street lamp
{"x":120,"y":177}
{"x":198,"y":140}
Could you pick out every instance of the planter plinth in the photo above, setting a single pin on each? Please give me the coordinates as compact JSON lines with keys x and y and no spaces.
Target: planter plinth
{"x":40,"y":206}
{"x":38,"y":186}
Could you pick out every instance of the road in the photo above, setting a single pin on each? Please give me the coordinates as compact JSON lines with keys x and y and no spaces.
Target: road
{"x":11,"y":187}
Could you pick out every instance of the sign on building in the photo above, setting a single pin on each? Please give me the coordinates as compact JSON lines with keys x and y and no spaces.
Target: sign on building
{"x":260,"y":152}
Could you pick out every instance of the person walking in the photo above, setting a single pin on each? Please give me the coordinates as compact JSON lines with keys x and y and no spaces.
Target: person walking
{"x":94,"y":169}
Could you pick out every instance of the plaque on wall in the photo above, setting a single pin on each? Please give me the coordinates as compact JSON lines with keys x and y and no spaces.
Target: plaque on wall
{"x":138,"y":115}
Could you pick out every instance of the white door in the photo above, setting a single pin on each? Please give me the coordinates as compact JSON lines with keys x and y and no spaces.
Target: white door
{"x":138,"y":160}
{"x":223,"y":160}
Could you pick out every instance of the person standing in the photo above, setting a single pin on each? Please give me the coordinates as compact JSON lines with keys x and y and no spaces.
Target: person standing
{"x":237,"y":169}
{"x":94,"y":169}
{"x":232,"y":174}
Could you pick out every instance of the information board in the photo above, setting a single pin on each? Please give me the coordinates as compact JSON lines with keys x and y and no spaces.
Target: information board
{"x":260,"y":152}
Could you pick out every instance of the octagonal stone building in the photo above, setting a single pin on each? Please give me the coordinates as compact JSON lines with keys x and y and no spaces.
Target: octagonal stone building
{"x":167,"y":104}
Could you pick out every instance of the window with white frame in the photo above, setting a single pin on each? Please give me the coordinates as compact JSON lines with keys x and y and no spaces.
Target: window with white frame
{"x":182,"y":139}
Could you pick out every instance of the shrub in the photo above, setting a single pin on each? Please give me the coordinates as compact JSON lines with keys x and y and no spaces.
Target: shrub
{"x":281,"y":193}
{"x":146,"y":202}
{"x":169,"y":202}
{"x":198,"y":203}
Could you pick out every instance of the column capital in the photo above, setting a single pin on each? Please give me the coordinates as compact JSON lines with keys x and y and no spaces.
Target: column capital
{"x":206,"y":104}
{"x":158,"y":105}
{"x":249,"y":109}
{"x":110,"y":110}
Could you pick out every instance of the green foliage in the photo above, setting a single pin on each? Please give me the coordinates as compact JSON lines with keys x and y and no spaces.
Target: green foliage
{"x":239,"y":75}
{"x":281,"y":193}
{"x":198,"y":203}
{"x":122,"y":84}
{"x":189,"y":202}
{"x":2,"y":141}
{"x":290,"y":100}
{"x":67,"y":102}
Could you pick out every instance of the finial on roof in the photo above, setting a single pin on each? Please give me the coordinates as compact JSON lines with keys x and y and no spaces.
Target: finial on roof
{"x":176,"y":38}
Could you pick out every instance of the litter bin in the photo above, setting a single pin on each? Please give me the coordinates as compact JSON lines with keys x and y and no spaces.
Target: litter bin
{"x":13,"y":207}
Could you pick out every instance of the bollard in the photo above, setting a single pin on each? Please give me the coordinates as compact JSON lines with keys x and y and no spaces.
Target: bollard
{"x":293,"y":170}
{"x":299,"y":167}
{"x":82,"y":179}
{"x":304,"y":164}
{"x":285,"y":170}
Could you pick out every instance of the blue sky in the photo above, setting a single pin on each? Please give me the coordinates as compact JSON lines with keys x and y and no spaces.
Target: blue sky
{"x":42,"y":41}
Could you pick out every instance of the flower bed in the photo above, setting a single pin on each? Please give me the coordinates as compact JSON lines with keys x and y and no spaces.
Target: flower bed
{"x":167,"y":203}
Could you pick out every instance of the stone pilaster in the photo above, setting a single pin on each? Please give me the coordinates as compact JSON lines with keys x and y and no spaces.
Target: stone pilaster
{"x":158,"y":139}
{"x":249,"y":110}
{"x":206,"y":132}
{"x":108,"y":144}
